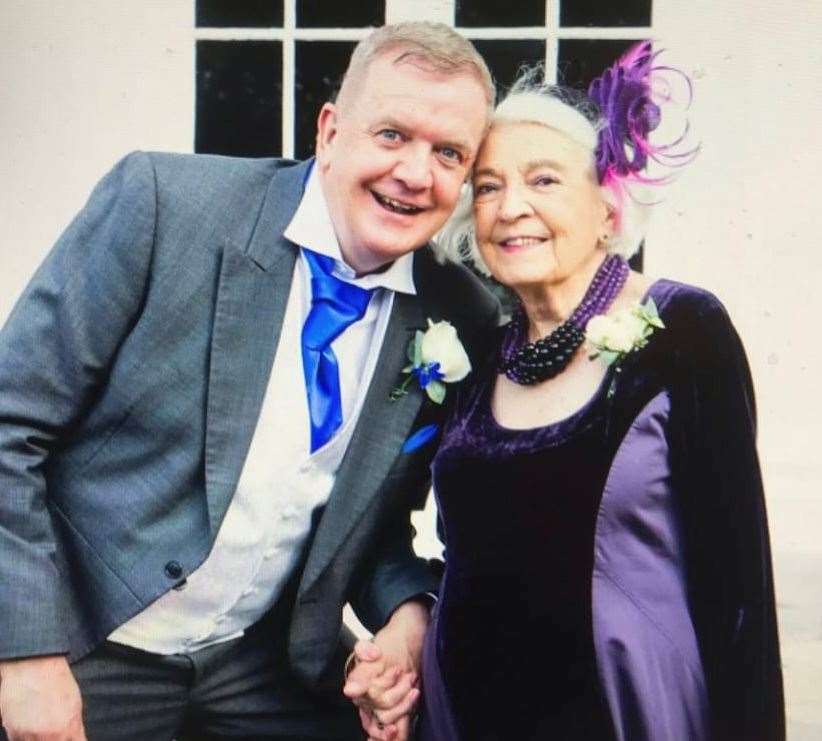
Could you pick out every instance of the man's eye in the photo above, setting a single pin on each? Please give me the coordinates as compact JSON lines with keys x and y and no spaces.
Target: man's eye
{"x":483,"y":189}
{"x":390,"y":135}
{"x":451,"y":154}
{"x":544,"y":180}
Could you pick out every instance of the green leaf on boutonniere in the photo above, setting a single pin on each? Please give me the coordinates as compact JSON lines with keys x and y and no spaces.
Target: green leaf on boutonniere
{"x":416,"y":358}
{"x":436,"y":391}
{"x":649,"y":312}
{"x":609,"y":356}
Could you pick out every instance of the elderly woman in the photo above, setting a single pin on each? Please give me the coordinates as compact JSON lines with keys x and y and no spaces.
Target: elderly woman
{"x":608,"y":570}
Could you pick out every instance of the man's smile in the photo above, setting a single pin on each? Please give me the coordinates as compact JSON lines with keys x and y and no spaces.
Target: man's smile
{"x":395,"y":206}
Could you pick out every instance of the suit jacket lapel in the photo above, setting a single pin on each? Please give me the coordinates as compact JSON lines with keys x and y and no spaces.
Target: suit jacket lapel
{"x":381,"y":430}
{"x":251,"y":298}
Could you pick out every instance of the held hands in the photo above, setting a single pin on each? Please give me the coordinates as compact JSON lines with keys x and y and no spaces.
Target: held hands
{"x":386,"y":695}
{"x":40,"y":700}
{"x":384,"y":681}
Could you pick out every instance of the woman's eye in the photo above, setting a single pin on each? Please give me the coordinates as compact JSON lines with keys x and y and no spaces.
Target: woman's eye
{"x":483,"y":189}
{"x":544,"y":180}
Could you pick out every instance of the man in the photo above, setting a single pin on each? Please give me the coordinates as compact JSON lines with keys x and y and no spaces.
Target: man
{"x":199,"y":459}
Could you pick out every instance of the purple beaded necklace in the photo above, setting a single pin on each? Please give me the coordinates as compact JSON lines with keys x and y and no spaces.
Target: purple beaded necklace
{"x":527,"y":363}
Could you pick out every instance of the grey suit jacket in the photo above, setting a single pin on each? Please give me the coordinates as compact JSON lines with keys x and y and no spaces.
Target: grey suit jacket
{"x":132,"y":371}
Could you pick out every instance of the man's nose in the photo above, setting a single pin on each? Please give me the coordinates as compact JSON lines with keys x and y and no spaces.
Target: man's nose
{"x":414,"y":167}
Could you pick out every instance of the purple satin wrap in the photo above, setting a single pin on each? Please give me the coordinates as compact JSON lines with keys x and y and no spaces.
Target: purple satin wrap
{"x":647,"y":656}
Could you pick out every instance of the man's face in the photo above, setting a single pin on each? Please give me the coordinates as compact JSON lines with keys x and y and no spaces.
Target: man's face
{"x":393,"y":158}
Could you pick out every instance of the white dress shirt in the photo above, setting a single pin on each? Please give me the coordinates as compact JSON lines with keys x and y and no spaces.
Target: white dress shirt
{"x":269,"y":519}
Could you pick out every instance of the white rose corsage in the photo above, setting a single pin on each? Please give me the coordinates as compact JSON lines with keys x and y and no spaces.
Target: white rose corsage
{"x":437,"y":357}
{"x":613,"y":336}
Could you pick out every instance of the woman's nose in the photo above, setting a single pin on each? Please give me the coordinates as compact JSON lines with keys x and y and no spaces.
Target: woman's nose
{"x":514,"y":204}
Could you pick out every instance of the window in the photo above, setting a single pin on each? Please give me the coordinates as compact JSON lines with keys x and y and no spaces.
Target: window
{"x":265,"y":67}
{"x":245,"y":14}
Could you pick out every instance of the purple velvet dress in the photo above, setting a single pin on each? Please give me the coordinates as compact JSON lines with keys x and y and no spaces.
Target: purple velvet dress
{"x":563,"y":611}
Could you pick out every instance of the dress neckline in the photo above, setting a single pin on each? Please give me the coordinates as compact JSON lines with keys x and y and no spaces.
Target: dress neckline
{"x":565,"y":425}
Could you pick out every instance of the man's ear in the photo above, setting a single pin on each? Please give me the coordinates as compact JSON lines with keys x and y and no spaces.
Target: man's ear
{"x":326,"y":131}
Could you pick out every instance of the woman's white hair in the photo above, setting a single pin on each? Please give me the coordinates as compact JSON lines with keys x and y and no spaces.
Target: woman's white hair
{"x":572,"y":113}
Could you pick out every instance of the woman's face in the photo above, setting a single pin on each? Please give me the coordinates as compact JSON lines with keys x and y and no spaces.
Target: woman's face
{"x":538,"y":211}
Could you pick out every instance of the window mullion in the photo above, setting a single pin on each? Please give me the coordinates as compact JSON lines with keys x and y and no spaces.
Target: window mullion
{"x":289,"y":78}
{"x":551,"y":39}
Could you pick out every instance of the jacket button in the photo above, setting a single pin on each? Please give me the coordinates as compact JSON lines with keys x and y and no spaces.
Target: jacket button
{"x":173,"y":570}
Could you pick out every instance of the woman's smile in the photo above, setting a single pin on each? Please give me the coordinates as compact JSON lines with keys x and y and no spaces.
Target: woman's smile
{"x":517,"y":243}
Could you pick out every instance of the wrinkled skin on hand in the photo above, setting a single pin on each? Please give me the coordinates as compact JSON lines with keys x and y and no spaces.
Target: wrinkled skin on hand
{"x":384,"y":683}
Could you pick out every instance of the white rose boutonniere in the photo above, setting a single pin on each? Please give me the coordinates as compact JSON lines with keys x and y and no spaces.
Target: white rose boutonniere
{"x":613,"y":336}
{"x":437,"y":357}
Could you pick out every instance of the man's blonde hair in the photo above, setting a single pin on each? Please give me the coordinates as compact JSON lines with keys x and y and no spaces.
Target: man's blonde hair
{"x":432,"y":46}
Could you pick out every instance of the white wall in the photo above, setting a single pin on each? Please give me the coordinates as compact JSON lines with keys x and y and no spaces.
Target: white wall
{"x":744,"y":222}
{"x":83,"y":82}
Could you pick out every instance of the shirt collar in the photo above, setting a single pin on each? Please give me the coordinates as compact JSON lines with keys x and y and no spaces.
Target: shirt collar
{"x":311,"y":228}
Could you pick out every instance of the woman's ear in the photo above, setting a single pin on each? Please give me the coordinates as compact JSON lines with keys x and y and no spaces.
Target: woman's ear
{"x":610,"y":220}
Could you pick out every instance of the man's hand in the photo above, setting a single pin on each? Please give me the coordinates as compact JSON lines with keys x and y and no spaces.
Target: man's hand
{"x":40,"y":700}
{"x":384,"y":683}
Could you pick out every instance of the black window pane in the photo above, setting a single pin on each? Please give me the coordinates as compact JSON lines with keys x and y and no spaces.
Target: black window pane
{"x":326,"y":14}
{"x":243,"y":14}
{"x":505,"y":58}
{"x":581,"y":60}
{"x":239,"y":93}
{"x":486,"y":13}
{"x":319,"y":70}
{"x":598,"y":13}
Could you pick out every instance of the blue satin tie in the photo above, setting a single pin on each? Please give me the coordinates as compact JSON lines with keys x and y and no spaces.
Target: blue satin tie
{"x":335,"y":305}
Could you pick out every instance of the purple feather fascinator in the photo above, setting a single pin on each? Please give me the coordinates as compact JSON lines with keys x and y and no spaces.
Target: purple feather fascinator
{"x":629,"y":95}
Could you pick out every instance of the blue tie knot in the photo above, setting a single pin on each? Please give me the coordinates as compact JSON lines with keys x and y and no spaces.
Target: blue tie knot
{"x":335,"y":305}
